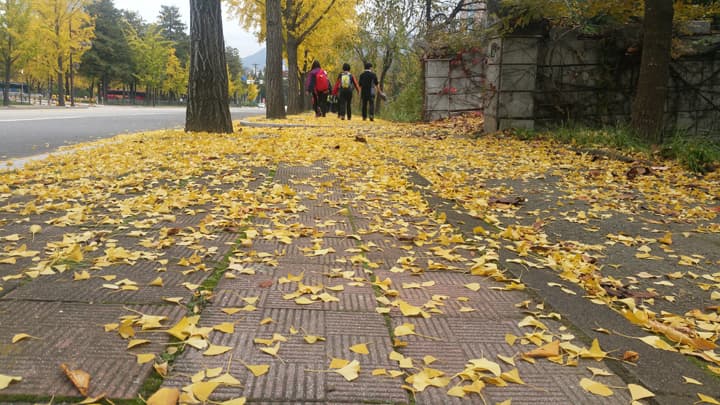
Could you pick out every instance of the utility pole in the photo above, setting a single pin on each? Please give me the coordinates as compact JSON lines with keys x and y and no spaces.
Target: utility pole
{"x":255,"y":70}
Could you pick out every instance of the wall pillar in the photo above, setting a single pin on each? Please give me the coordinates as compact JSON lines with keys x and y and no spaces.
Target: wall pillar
{"x":511,"y":78}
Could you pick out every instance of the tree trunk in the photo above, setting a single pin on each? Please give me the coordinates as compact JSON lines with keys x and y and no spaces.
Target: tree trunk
{"x":386,"y":63}
{"x":649,"y":104}
{"x":208,"y":107}
{"x":275,"y":102}
{"x":60,"y":84}
{"x":6,"y":86}
{"x":295,"y":88}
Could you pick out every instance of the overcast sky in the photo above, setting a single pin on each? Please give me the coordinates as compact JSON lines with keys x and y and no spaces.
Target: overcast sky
{"x":234,"y":35}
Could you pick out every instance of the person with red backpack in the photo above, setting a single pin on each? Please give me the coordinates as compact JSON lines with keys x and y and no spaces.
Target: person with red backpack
{"x":318,"y":85}
{"x":344,"y":87}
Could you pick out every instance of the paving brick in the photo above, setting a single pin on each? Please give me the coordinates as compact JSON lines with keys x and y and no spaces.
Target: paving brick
{"x":61,"y":287}
{"x":73,"y":333}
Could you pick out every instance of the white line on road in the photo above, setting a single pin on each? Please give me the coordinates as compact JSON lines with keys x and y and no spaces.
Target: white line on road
{"x":43,"y":118}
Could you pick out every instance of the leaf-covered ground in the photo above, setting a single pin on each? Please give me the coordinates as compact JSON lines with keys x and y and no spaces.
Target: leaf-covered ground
{"x":345,"y":261}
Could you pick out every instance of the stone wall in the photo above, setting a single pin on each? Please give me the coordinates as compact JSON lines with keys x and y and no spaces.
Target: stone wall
{"x":535,"y":81}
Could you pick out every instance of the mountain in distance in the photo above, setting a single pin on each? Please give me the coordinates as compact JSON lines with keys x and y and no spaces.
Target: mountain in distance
{"x":258,"y":58}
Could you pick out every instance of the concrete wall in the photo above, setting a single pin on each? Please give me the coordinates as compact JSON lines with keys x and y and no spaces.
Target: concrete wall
{"x":536,"y":81}
{"x":454,"y":85}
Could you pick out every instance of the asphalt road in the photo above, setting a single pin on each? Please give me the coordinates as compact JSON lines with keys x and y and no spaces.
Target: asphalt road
{"x":28,"y":132}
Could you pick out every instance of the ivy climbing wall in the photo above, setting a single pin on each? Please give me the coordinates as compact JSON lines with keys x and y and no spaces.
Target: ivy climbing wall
{"x":454,"y":85}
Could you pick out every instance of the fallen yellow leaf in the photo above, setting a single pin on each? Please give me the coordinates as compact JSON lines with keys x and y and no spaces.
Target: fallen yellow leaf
{"x":360,"y":348}
{"x":143,"y":358}
{"x":215,"y":350}
{"x":638,"y":392}
{"x":5,"y":380}
{"x":258,"y":370}
{"x":595,"y":387}
{"x":350,"y":371}
{"x":164,"y":396}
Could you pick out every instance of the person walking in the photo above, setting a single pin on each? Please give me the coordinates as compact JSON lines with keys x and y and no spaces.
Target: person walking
{"x":368,"y":90}
{"x":318,"y":85}
{"x":345,"y":85}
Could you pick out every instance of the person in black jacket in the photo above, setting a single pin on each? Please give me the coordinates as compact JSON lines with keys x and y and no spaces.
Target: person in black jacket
{"x":368,"y":90}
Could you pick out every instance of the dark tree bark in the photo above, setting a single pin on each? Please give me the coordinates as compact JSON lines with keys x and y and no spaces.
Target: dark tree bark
{"x":6,"y":85}
{"x":275,"y":103}
{"x":60,"y":83}
{"x":298,"y":28}
{"x":295,"y":85}
{"x":649,"y":104}
{"x":208,"y":108}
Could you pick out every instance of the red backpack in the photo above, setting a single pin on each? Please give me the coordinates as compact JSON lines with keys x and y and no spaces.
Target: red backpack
{"x":322,"y":83}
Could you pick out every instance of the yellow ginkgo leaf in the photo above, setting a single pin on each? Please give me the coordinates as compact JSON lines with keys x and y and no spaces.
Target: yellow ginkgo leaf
{"x":174,"y":300}
{"x":136,"y":342}
{"x":35,"y":229}
{"x":486,"y":365}
{"x":595,"y":387}
{"x":666,"y":239}
{"x":215,"y":350}
{"x":21,"y":336}
{"x":512,"y":376}
{"x":350,"y":371}
{"x":473,"y":286}
{"x":595,"y":352}
{"x":313,"y":339}
{"x":258,"y":369}
{"x":476,"y":387}
{"x":507,"y":359}
{"x":688,"y":380}
{"x":5,"y":380}
{"x":83,"y":275}
{"x":428,"y":360}
{"x":304,"y":301}
{"x":158,"y":282}
{"x":203,"y":390}
{"x":456,"y":391}
{"x":164,"y":396}
{"x":338,"y":363}
{"x":225,"y":327}
{"x":405,"y":329}
{"x":360,"y":348}
{"x":227,"y":379}
{"x":707,"y":399}
{"x":75,"y":254}
{"x":658,"y":343}
{"x":273,"y":351}
{"x":266,"y":321}
{"x":231,"y":311}
{"x":638,"y":392}
{"x":143,"y":358}
{"x":599,"y":371}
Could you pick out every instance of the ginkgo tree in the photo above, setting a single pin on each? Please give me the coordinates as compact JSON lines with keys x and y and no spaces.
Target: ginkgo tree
{"x":62,"y":30}
{"x":14,"y":22}
{"x":322,"y":27}
{"x":176,"y":76}
{"x":150,"y":53}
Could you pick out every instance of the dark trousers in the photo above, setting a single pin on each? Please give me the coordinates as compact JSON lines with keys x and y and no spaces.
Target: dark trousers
{"x":368,"y":112}
{"x":345,"y":103}
{"x":320,"y":104}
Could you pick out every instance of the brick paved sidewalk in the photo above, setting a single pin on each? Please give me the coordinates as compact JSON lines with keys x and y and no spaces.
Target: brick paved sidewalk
{"x":293,"y":267}
{"x":67,"y":321}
